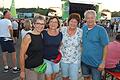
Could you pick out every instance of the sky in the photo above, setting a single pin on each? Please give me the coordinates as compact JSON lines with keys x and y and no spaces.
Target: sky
{"x":112,"y":5}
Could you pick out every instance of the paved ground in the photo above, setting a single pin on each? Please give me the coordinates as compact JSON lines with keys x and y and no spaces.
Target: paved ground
{"x":10,"y":75}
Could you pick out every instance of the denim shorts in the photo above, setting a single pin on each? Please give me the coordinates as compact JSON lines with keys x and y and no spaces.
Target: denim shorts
{"x":88,"y":70}
{"x":7,"y":46}
{"x":70,"y":70}
{"x":51,"y":67}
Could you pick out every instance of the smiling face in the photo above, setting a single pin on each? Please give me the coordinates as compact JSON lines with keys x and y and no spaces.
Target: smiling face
{"x":73,"y":20}
{"x":90,"y":17}
{"x":39,"y":25}
{"x":73,"y":23}
{"x":7,"y":15}
{"x":90,"y":20}
{"x":53,"y":24}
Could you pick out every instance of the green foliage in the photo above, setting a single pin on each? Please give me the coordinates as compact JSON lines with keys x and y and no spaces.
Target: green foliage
{"x":35,"y":10}
{"x":116,"y":14}
{"x":26,"y":10}
{"x":105,"y":10}
{"x":3,"y":9}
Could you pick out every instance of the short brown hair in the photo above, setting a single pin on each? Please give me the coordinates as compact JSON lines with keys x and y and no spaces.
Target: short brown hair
{"x":5,"y":12}
{"x":74,"y":16}
{"x":53,"y":18}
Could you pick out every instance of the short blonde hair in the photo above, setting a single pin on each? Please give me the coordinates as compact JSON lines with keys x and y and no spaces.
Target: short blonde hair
{"x":27,"y":23}
{"x":90,"y":12}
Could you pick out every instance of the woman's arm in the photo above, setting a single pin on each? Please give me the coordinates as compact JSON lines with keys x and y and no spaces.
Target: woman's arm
{"x":24,"y":46}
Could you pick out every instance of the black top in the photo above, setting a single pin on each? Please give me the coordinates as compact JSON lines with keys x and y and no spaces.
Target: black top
{"x":51,"y":45}
{"x":34,"y":52}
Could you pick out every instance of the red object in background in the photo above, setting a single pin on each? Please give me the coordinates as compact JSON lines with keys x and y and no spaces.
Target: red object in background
{"x":112,"y":75}
{"x":115,"y":74}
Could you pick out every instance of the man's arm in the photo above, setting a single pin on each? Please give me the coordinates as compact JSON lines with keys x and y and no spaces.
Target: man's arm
{"x":104,"y":53}
{"x":11,"y":31}
{"x":102,"y":65}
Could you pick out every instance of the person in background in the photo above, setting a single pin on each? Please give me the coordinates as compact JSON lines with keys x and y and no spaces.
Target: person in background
{"x":115,"y":27}
{"x":15,"y":30}
{"x":94,"y":47}
{"x":52,"y":38}
{"x":6,"y":42}
{"x":118,"y":28}
{"x":112,"y":62}
{"x":31,"y":52}
{"x":71,"y":48}
{"x":27,"y":28}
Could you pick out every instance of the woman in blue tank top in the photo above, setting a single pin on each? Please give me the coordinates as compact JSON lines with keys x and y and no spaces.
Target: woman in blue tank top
{"x":52,"y":39}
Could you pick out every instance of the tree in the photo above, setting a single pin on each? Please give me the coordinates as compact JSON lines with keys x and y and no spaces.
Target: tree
{"x":44,"y":11}
{"x":106,"y":10}
{"x":116,"y":14}
{"x":35,"y":10}
{"x":13,"y":9}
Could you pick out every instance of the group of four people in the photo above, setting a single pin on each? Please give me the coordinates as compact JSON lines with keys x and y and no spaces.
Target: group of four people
{"x":44,"y":45}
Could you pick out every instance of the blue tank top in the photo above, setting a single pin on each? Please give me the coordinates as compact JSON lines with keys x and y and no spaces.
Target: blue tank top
{"x":51,"y":45}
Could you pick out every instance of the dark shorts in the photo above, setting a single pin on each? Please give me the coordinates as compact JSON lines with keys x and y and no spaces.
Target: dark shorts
{"x":88,"y":70}
{"x":15,"y":33}
{"x":7,"y":46}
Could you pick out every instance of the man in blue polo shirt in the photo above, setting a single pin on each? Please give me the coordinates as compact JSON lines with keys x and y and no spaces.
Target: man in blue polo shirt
{"x":95,"y":41}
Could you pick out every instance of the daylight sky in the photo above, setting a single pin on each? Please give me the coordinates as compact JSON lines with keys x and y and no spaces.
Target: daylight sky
{"x":112,"y":5}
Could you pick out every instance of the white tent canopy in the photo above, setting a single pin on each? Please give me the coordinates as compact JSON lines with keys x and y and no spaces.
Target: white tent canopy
{"x":83,"y":1}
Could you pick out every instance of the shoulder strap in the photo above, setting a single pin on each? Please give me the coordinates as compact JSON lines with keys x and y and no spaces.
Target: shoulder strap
{"x":42,"y":35}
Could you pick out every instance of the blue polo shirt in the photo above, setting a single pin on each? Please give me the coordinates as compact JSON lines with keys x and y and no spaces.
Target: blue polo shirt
{"x":94,"y":41}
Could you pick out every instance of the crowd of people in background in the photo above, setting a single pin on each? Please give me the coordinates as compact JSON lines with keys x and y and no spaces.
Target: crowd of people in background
{"x":112,"y":27}
{"x":69,"y":47}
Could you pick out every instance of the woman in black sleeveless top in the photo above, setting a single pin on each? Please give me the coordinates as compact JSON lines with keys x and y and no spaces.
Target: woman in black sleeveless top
{"x":32,"y":46}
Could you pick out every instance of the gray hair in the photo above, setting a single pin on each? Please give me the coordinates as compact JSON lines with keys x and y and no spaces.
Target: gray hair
{"x":38,"y":17}
{"x":90,"y":12}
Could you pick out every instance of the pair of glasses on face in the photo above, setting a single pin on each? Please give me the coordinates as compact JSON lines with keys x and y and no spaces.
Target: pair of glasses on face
{"x":40,"y":23}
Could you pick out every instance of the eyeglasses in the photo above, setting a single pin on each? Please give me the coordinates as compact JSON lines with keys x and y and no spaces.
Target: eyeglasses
{"x":40,"y":23}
